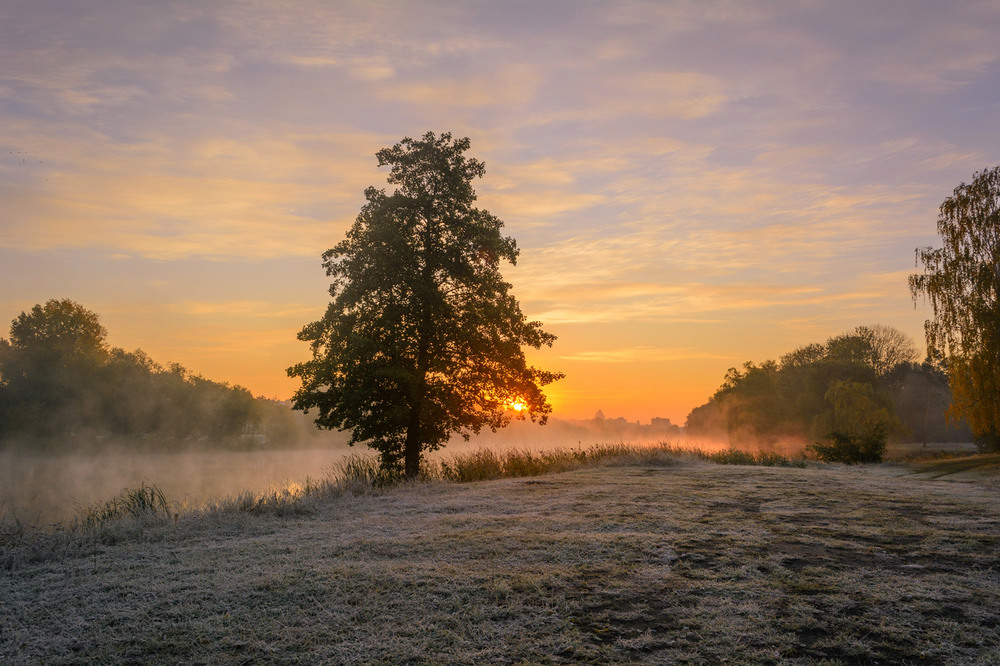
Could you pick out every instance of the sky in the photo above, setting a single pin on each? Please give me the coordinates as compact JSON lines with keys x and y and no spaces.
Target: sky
{"x":692,"y":185}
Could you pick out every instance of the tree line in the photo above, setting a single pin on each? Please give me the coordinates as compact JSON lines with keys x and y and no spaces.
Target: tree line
{"x":62,"y":384}
{"x":862,"y":384}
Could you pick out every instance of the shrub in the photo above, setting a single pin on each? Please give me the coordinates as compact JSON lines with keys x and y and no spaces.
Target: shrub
{"x":987,"y":441}
{"x":852,"y":448}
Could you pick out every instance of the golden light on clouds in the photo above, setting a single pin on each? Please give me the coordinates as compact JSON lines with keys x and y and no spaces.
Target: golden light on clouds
{"x":691,"y":186}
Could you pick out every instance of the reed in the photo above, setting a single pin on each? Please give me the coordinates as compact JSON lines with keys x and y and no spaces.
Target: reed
{"x":144,"y":502}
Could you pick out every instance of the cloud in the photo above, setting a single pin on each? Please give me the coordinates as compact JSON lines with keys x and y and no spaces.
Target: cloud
{"x":172,"y":197}
{"x":250,"y":309}
{"x":511,"y":85}
{"x":641,"y":355}
{"x":679,"y":303}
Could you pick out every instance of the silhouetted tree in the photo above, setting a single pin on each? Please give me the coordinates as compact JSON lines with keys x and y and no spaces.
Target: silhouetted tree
{"x":880,"y":347}
{"x":887,"y":347}
{"x":858,"y":410}
{"x":755,"y":411}
{"x":962,"y":281}
{"x":423,"y":337}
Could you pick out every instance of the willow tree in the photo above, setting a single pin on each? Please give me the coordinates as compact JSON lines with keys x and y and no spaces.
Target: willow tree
{"x":961,"y":280}
{"x":423,"y":338}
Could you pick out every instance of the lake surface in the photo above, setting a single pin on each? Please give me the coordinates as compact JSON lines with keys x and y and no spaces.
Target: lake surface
{"x":51,"y":487}
{"x":41,"y":489}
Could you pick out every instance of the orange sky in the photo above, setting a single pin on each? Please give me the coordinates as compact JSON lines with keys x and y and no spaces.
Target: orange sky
{"x":691,"y":185}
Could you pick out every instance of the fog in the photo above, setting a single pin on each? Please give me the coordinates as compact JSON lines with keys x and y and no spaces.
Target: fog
{"x":42,"y":489}
{"x":47,"y":487}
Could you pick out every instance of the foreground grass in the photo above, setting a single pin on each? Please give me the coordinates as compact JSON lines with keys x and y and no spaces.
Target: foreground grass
{"x":668,"y":560}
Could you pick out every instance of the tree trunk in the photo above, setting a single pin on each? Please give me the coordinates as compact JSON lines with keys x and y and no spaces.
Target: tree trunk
{"x":414,"y":429}
{"x":414,"y":435}
{"x":411,"y":449}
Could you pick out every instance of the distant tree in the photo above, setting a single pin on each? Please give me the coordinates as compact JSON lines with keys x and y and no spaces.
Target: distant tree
{"x":887,"y":347}
{"x":961,"y":280}
{"x":423,"y":337}
{"x":803,"y":356}
{"x":848,"y":348}
{"x":857,"y":425}
{"x":920,"y":394}
{"x":857,"y":409}
{"x":60,"y":385}
{"x":61,"y":331}
{"x":50,"y":366}
{"x":708,"y":420}
{"x":880,"y":347}
{"x":766,"y":403}
{"x":756,"y":410}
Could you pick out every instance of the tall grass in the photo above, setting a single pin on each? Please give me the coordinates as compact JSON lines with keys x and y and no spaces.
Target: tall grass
{"x":489,"y":464}
{"x":130,"y":515}
{"x":142,"y":503}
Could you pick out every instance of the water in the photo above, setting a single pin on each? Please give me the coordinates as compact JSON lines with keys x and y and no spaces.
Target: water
{"x":46,"y":488}
{"x":43,"y":489}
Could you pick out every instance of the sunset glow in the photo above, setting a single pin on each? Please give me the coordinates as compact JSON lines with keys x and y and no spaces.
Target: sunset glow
{"x":691,"y":185}
{"x":517,"y":405}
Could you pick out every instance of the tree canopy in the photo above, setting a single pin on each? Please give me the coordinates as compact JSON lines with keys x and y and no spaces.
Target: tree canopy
{"x":961,"y":279}
{"x":62,"y":385}
{"x":423,"y":337}
{"x":858,"y":383}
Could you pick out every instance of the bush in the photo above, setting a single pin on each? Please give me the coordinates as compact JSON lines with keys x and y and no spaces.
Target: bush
{"x":851,"y":448}
{"x":987,"y":441}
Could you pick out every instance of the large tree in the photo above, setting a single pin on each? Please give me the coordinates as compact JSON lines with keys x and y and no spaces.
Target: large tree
{"x":961,"y":280}
{"x":423,"y":338}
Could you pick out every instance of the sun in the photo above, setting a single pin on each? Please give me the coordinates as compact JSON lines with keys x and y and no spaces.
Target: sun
{"x":517,"y":405}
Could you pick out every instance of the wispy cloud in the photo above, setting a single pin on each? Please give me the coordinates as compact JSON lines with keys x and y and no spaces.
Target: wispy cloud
{"x":669,"y":170}
{"x":641,"y":355}
{"x":254,"y":309}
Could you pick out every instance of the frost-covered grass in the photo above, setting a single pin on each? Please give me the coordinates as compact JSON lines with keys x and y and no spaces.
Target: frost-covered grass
{"x":619,"y":561}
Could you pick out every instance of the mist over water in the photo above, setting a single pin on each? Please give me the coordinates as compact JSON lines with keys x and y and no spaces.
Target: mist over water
{"x":47,"y":487}
{"x":42,"y":489}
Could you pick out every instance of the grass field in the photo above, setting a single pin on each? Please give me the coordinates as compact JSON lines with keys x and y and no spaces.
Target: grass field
{"x":681,"y":561}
